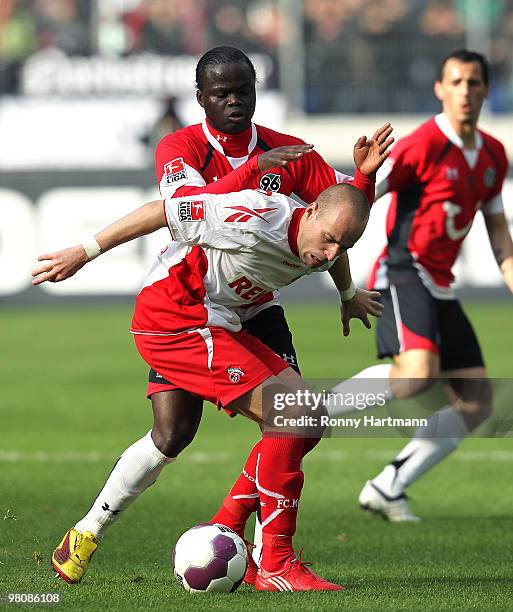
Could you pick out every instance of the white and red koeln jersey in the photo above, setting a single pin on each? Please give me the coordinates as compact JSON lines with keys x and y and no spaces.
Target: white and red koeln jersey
{"x":437,"y":187}
{"x":199,"y":159}
{"x":229,"y":253}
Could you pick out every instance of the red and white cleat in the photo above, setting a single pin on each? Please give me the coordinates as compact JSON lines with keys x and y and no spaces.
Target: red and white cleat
{"x":294,"y":576}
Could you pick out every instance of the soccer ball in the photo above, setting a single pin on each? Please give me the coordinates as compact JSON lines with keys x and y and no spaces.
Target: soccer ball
{"x":210,"y":558}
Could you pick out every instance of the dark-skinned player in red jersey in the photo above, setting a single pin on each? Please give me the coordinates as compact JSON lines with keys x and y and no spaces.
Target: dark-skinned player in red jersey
{"x":227,"y":153}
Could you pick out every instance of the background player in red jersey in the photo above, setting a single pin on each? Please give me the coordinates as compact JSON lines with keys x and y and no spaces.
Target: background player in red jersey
{"x":227,"y":152}
{"x":186,"y":323}
{"x":440,"y":177}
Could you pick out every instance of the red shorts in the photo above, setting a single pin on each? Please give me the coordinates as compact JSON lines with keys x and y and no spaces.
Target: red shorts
{"x":212,"y":362}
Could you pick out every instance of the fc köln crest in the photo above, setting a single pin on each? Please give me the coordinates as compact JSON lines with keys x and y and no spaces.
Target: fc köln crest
{"x":235,"y":374}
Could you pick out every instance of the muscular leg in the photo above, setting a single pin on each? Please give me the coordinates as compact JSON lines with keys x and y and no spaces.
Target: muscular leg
{"x":176,"y":420}
{"x":413,"y":372}
{"x":243,"y":498}
{"x":278,"y":475}
{"x":469,"y":405}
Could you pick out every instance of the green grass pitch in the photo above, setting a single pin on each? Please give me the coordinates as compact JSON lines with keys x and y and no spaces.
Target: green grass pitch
{"x":72,"y":398}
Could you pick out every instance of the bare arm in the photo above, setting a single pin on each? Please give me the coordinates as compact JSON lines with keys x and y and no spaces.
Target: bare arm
{"x":340,"y":272}
{"x":62,"y":264}
{"x":356,"y":303}
{"x":502,"y":245}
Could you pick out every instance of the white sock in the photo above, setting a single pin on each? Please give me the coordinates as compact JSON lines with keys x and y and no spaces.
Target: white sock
{"x":257,"y":541}
{"x":378,"y":385}
{"x":430,"y":444}
{"x":137,"y":468}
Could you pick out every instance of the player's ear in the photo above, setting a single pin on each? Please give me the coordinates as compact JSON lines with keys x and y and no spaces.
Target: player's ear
{"x":199,"y":98}
{"x":438,"y":89}
{"x":312,"y":208}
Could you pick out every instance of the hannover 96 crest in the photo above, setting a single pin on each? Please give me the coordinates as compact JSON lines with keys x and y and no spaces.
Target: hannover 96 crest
{"x":270,"y":182}
{"x":489,"y":176}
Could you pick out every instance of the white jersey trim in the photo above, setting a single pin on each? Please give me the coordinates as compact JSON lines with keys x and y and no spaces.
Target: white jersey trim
{"x":234,"y":162}
{"x":471,"y":155}
{"x":397,"y":317}
{"x":207,"y":337}
{"x":193,"y":179}
{"x":437,"y":291}
{"x":495,"y":206}
{"x":342,"y":178}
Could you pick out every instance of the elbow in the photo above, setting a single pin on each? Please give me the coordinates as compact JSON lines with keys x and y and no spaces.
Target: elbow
{"x":156,"y":211}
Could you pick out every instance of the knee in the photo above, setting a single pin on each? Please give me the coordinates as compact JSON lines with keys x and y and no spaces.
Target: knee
{"x":405,"y":389}
{"x":409,"y":380}
{"x":176,"y":418}
{"x":476,"y":401}
{"x":172,"y":440}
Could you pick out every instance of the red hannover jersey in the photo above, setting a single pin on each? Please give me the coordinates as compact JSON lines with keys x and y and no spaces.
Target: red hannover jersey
{"x":437,"y":187}
{"x":199,"y":159}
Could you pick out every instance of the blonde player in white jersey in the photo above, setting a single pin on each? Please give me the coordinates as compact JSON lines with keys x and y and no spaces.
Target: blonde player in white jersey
{"x":228,"y":252}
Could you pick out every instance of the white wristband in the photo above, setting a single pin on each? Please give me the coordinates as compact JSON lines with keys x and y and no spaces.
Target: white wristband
{"x":348,"y":294}
{"x":92,"y":248}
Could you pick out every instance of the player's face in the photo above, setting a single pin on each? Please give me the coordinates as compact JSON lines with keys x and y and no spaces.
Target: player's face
{"x":324,"y":237}
{"x":462,"y":91}
{"x":228,"y":97}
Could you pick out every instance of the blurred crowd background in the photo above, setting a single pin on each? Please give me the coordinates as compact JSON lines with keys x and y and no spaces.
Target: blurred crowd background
{"x":329,"y":56}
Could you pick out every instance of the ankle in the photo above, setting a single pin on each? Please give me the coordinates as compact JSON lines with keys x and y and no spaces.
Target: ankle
{"x":233,"y":515}
{"x":276,"y":551}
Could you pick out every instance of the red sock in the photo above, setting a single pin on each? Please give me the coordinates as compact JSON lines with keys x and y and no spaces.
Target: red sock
{"x":243,"y":498}
{"x":279,"y":483}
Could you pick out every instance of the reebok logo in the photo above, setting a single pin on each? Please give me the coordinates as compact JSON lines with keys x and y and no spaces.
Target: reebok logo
{"x":289,"y":264}
{"x":247,"y":475}
{"x":245,"y":214}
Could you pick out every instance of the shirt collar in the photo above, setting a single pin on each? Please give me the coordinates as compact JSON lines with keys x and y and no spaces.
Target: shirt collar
{"x":444,"y":125}
{"x":295,"y":220}
{"x":231,"y":145}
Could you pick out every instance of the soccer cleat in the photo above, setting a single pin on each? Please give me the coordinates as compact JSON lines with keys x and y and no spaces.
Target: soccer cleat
{"x":294,"y":576}
{"x":252,"y":569}
{"x":393,"y":509}
{"x":71,"y":558}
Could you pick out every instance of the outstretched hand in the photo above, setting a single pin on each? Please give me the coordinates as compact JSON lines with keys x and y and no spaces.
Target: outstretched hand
{"x":281,"y":156}
{"x":60,"y":265}
{"x":369,"y":155}
{"x":363,"y":304}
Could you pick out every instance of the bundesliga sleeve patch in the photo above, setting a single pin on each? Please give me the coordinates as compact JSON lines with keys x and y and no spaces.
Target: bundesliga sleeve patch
{"x":191,"y":211}
{"x":175,"y":170}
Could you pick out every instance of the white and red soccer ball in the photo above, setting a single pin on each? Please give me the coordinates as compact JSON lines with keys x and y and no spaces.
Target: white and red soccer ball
{"x":210,"y":558}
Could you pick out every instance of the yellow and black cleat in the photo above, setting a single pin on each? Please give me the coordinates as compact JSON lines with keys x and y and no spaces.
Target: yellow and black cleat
{"x":71,"y":558}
